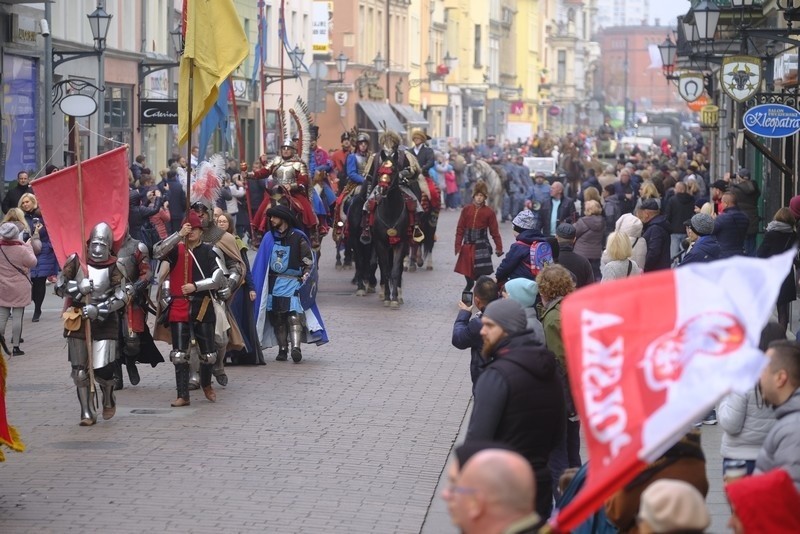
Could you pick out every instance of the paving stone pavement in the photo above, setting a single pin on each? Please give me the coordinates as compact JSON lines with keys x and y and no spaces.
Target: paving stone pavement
{"x":353,"y":439}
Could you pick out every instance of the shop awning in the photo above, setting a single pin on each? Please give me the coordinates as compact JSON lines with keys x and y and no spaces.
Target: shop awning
{"x":375,"y":116}
{"x":410,"y":116}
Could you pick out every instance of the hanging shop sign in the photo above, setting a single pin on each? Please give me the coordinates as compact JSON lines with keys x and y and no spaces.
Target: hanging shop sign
{"x":158,"y":112}
{"x":691,"y":85}
{"x":740,"y":77}
{"x":772,"y":120}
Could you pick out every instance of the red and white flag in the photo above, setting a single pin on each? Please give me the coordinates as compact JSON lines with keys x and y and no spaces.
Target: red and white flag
{"x":649,"y":356}
{"x":105,"y":199}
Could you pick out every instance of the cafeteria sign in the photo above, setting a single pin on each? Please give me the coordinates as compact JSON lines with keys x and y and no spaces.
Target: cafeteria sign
{"x":772,"y":120}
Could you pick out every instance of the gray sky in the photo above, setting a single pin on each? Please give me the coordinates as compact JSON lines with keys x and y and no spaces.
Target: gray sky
{"x":668,"y":10}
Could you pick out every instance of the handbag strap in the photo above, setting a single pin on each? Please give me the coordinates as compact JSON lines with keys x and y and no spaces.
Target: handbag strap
{"x":20,"y":271}
{"x":630,"y":267}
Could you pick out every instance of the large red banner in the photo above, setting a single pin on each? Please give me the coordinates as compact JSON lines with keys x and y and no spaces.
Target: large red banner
{"x":105,"y":199}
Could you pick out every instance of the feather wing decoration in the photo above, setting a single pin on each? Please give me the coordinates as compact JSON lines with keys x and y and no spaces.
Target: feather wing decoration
{"x":284,"y":123}
{"x":208,"y":181}
{"x":302,"y":119}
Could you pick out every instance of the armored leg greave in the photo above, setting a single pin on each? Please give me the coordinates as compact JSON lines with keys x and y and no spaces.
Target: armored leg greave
{"x":295,"y":323}
{"x":88,"y":417}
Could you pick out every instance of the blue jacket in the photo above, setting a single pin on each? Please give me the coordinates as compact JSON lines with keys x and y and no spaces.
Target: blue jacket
{"x":467,"y":335}
{"x":516,"y":263}
{"x":46,"y":264}
{"x":730,"y":229}
{"x":351,"y":167}
{"x":656,"y":234}
{"x":704,"y":250}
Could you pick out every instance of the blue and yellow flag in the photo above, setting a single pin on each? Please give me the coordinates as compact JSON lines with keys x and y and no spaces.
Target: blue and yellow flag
{"x":215,"y":45}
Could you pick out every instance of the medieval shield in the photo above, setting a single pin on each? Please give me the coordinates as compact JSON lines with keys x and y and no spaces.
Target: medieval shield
{"x":691,"y":85}
{"x":740,"y":77}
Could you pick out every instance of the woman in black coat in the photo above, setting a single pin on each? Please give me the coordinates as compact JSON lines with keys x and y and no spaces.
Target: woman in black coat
{"x":780,"y":237}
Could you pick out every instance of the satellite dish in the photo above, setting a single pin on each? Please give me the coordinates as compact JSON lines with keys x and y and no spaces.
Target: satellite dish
{"x":78,"y":105}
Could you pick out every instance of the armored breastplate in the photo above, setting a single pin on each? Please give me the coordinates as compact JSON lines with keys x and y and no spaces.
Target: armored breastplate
{"x":126,"y":260}
{"x":286,"y":173}
{"x":101,"y":282}
{"x":361,"y":163}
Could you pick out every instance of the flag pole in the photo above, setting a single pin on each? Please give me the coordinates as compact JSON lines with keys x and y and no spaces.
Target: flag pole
{"x":282,"y":38}
{"x":84,"y":265}
{"x":242,"y":156}
{"x":189,"y":172}
{"x":262,"y":42}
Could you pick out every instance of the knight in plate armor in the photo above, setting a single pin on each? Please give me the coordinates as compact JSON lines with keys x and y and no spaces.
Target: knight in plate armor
{"x":205,"y":190}
{"x":196,"y":273}
{"x":407,"y":167}
{"x":289,"y":178}
{"x":136,"y":343}
{"x":95,"y":296}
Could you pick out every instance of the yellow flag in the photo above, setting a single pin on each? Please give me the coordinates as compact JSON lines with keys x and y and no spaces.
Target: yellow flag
{"x":216,"y":45}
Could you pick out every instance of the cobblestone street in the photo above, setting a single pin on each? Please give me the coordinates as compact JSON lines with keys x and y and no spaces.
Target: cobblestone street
{"x":354,"y":439}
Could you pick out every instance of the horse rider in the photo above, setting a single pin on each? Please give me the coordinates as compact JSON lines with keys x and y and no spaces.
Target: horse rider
{"x":407,"y":167}
{"x":95,"y":297}
{"x":339,"y":159}
{"x":320,"y":166}
{"x":426,"y":159}
{"x":291,"y":179}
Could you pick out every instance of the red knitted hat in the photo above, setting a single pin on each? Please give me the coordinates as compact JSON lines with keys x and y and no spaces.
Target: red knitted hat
{"x":766,"y":503}
{"x":794,"y":206}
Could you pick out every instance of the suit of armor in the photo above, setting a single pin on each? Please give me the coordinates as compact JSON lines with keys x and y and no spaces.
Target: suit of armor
{"x":191,"y":317}
{"x":133,"y":260}
{"x":291,"y":175}
{"x":95,"y":297}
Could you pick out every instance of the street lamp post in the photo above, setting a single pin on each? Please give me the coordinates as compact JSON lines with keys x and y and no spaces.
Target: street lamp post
{"x":99,"y":22}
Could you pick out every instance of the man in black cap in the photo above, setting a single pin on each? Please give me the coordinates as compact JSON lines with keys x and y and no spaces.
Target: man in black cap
{"x":576,"y":264}
{"x":519,"y":399}
{"x":747,"y":193}
{"x":339,"y":158}
{"x":656,"y":235}
{"x":284,"y":263}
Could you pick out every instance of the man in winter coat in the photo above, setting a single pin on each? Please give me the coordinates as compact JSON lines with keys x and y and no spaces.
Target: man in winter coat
{"x":557,"y":209}
{"x":13,"y":196}
{"x":519,"y":399}
{"x":467,"y":329}
{"x":656,"y":235}
{"x":611,"y":208}
{"x":730,"y":227}
{"x":680,"y":208}
{"x":576,"y":264}
{"x":780,"y":385}
{"x":747,"y":193}
{"x":704,"y":245}
{"x":172,"y":191}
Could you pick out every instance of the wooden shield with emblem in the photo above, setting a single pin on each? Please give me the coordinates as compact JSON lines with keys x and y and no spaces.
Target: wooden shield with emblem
{"x":740,"y":77}
{"x":691,"y":85}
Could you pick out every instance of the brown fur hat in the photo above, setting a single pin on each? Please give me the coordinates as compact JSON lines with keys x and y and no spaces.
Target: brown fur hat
{"x":480,"y":187}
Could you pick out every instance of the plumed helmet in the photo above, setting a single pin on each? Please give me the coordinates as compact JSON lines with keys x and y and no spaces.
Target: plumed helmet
{"x":100,"y":241}
{"x":389,"y":138}
{"x":480,"y":188}
{"x":288,"y":143}
{"x":208,"y":182}
{"x":345,"y":136}
{"x":362,"y":137}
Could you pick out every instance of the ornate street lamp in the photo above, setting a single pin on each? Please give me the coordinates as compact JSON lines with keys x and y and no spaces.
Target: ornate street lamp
{"x":341,"y":65}
{"x":296,"y":57}
{"x":99,"y":22}
{"x":706,"y":18}
{"x":449,"y":61}
{"x":667,"y":49}
{"x":176,"y":36}
{"x":430,"y":67}
{"x":379,"y":64}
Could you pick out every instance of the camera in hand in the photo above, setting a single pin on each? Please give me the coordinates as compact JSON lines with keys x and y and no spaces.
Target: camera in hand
{"x":466,"y":297}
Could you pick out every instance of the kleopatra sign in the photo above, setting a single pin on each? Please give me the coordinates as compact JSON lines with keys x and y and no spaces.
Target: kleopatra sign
{"x":772,"y":120}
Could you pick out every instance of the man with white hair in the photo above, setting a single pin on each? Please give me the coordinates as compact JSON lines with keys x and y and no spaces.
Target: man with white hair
{"x":494,"y":494}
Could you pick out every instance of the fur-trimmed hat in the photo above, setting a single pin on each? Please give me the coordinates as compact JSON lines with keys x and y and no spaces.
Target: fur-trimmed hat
{"x":419,"y":132}
{"x":480,"y":188}
{"x":389,"y":137}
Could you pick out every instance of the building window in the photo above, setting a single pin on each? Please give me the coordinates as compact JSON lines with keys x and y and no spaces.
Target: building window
{"x":477,"y":45}
{"x":562,"y":67}
{"x":117,"y":114}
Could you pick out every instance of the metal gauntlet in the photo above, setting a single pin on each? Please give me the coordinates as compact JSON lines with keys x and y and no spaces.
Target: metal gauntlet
{"x":165,"y":246}
{"x":166,"y":297}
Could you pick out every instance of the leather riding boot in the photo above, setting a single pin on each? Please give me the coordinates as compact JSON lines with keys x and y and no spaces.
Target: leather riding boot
{"x":133,"y":373}
{"x":118,"y":383}
{"x":181,"y":385}
{"x":205,"y":382}
{"x":109,"y":402}
{"x":88,"y":417}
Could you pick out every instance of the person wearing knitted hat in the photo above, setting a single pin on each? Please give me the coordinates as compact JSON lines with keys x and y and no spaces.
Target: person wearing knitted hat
{"x":518,"y":368}
{"x":527,"y":227}
{"x":703,"y":245}
{"x":476,"y":223}
{"x":526,"y":293}
{"x":780,"y":237}
{"x":764,"y":503}
{"x":672,"y":506}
